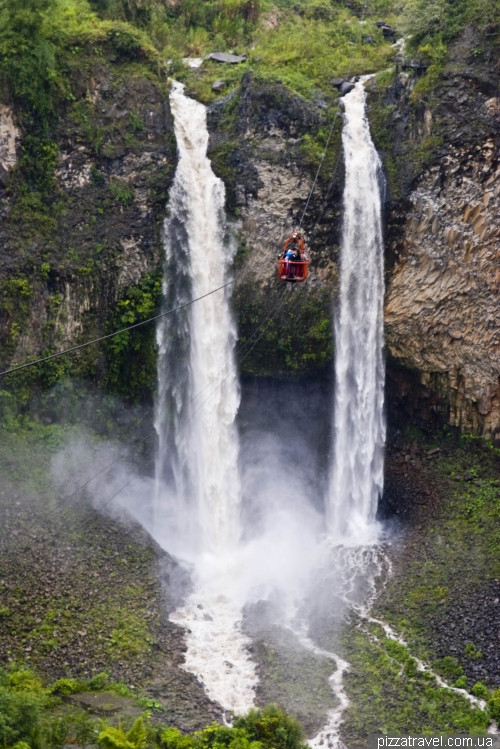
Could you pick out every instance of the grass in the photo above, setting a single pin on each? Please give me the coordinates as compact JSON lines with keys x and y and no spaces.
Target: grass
{"x":388,"y":694}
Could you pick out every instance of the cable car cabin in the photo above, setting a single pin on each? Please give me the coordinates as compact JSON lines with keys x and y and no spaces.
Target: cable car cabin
{"x":293,"y":262}
{"x":291,"y":271}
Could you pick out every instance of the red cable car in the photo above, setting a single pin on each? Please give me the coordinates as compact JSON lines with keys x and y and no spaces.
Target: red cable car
{"x":294,"y":260}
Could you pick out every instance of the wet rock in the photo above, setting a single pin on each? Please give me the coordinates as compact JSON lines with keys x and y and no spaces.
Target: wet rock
{"x":346,"y":88}
{"x":224,"y":57}
{"x":218,"y":85}
{"x":388,"y":31}
{"x":337,"y":82}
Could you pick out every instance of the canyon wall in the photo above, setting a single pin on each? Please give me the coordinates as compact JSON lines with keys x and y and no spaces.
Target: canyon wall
{"x":442,"y":315}
{"x":90,"y":262}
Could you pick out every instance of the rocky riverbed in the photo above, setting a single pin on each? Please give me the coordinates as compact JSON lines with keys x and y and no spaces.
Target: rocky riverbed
{"x":83,"y":592}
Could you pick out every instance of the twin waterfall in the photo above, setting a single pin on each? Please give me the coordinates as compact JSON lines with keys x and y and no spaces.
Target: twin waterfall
{"x":359,"y":425}
{"x":197,"y":499}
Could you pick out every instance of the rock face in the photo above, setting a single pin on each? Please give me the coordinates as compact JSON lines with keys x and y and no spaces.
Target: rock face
{"x":64,"y":273}
{"x":443,"y":300}
{"x":257,"y":138}
{"x":271,"y":181}
{"x":64,"y":267}
{"x":9,"y":135}
{"x":443,"y":294}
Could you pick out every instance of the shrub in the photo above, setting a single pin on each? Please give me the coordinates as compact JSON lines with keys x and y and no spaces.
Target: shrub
{"x":448,"y":667}
{"x":494,"y":705}
{"x":272,"y":728}
{"x":172,"y":738}
{"x":65,"y":686}
{"x":116,"y":738}
{"x":480,"y":690}
{"x":472,"y":652}
{"x":397,"y":651}
{"x":19,"y":717}
{"x":25,"y":680}
{"x":411,"y":668}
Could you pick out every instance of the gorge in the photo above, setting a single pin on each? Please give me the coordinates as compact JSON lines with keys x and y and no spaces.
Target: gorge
{"x":203,"y":511}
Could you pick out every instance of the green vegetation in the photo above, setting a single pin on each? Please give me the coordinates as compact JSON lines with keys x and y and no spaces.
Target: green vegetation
{"x":131,"y":356}
{"x":295,"y":340}
{"x":432,"y":26}
{"x":260,"y":729}
{"x":35,"y":717}
{"x":460,"y":555}
{"x":389,"y":695}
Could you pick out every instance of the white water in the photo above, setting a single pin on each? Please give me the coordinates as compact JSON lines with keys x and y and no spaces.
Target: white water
{"x":356,"y":479}
{"x":198,"y":441}
{"x":197,"y":484}
{"x":359,"y":428}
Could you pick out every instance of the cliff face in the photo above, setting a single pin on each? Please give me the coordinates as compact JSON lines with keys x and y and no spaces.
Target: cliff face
{"x":74,"y":264}
{"x":442,"y":305}
{"x":261,"y":138}
{"x":90,"y":261}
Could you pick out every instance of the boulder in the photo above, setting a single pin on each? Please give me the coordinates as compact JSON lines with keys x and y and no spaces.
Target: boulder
{"x":4,"y":176}
{"x":346,"y":88}
{"x":321,"y":103}
{"x":388,"y":31}
{"x":379,"y":24}
{"x":218,"y":85}
{"x":336,"y":82}
{"x":368,"y":39}
{"x":223,"y":57}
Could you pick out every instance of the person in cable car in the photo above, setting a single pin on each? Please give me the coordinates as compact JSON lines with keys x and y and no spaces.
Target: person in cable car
{"x":293,"y":260}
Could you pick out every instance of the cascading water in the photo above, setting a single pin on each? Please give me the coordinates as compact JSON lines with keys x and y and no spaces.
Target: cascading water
{"x":359,"y":426}
{"x":198,"y":387}
{"x":197,"y":498}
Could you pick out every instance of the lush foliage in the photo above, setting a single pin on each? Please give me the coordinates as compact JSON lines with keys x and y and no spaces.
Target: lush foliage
{"x":295,"y":339}
{"x":270,"y":728}
{"x":131,"y":355}
{"x":390,"y":695}
{"x":32,"y":713}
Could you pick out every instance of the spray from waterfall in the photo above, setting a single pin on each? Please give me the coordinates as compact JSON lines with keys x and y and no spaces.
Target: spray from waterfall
{"x":359,"y":427}
{"x":197,"y":485}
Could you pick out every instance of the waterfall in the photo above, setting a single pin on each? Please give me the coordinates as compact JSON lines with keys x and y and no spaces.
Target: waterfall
{"x":197,"y":498}
{"x":197,"y":485}
{"x":356,"y":480}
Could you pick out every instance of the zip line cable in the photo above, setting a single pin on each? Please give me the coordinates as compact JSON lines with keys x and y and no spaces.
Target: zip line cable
{"x":117,"y":332}
{"x":124,"y":455}
{"x":323,"y":155}
{"x":268,"y":319}
{"x":192,"y":301}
